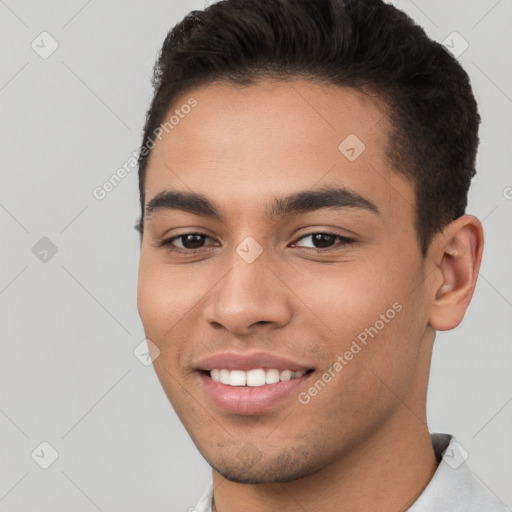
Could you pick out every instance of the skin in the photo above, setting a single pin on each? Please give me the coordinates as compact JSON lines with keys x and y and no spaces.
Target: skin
{"x":362,"y":443}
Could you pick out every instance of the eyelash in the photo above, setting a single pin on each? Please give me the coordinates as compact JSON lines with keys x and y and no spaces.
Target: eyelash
{"x":167,"y":243}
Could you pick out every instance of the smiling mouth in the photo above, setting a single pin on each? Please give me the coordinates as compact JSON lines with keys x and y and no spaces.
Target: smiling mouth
{"x":253,"y":378}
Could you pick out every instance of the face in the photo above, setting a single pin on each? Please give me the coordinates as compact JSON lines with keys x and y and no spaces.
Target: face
{"x":267,"y":276}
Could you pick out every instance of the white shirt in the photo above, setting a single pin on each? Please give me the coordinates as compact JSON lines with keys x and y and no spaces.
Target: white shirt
{"x":453,"y":488}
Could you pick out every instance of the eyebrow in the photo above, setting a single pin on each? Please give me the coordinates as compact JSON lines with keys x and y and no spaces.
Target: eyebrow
{"x":293,"y":204}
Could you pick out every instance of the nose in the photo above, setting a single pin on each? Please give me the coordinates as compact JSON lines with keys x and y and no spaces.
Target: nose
{"x":248,"y":298}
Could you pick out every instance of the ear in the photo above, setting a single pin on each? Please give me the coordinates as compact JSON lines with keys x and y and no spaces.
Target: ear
{"x":457,"y":253}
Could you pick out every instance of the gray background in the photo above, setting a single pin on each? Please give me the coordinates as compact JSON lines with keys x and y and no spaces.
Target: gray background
{"x":69,"y":325}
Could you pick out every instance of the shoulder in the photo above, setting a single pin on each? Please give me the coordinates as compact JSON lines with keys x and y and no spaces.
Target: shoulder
{"x":454,"y":487}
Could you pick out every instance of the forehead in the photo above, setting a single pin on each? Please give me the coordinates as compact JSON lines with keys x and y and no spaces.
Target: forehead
{"x":258,"y":141}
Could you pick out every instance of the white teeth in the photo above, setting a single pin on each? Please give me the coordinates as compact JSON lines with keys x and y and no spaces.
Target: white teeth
{"x":254,"y":378}
{"x":224,"y":376}
{"x":237,"y":378}
{"x":272,"y":377}
{"x":286,"y":375}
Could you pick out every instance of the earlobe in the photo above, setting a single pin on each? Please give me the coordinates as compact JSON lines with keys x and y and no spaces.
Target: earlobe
{"x":458,"y":253}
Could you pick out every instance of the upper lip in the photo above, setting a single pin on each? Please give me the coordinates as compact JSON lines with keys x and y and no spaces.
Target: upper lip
{"x":248,"y":361}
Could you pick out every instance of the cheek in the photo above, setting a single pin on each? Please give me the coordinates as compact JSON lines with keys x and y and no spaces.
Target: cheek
{"x":346,"y":298}
{"x":157,"y":302}
{"x":152,"y":302}
{"x":372,"y":324}
{"x":169,"y":303}
{"x":162,"y":299}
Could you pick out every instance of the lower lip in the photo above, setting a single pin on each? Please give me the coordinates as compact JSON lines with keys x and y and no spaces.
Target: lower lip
{"x":250,"y":399}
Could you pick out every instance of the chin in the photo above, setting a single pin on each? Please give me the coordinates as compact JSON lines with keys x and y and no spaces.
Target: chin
{"x":280,"y":470}
{"x":244,"y":476}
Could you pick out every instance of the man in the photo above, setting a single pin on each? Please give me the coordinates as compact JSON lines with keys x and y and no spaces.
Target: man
{"x":303,"y":180}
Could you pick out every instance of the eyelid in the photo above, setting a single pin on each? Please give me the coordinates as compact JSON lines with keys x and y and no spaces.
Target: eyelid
{"x":345,"y":240}
{"x":168,"y":242}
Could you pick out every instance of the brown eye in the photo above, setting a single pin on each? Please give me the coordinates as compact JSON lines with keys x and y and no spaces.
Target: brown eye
{"x":188,"y":242}
{"x":323,"y":240}
{"x":192,"y":241}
